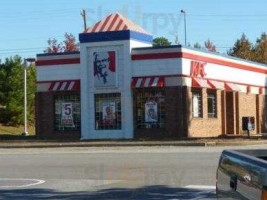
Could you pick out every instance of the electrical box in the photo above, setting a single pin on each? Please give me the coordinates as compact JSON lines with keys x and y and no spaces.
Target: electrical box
{"x":248,"y":123}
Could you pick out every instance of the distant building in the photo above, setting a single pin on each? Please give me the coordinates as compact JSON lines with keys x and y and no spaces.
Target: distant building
{"x":119,"y":86}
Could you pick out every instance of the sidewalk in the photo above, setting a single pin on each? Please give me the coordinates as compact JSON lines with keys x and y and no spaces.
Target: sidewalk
{"x":128,"y":143}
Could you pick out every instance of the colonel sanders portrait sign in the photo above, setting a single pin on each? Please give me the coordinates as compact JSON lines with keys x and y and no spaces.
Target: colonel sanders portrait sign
{"x":104,"y":69}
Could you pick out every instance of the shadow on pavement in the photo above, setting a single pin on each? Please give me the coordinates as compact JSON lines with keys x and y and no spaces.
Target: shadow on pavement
{"x":148,"y":193}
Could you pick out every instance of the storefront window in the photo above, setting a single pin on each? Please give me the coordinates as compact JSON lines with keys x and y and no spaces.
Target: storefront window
{"x":150,"y":109}
{"x":197,"y":104}
{"x":212,"y":111}
{"x":67,"y":112}
{"x":108,"y":111}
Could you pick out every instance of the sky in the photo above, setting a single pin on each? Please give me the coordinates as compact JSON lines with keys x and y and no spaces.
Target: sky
{"x":25,"y":26}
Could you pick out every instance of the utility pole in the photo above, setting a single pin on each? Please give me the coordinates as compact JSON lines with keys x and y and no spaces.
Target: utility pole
{"x":83,"y":14}
{"x":183,"y":11}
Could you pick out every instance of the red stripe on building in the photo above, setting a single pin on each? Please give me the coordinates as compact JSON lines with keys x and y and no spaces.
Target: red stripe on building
{"x":95,"y":27}
{"x":113,"y":22}
{"x":197,"y":82}
{"x":76,"y":86}
{"x":216,"y":84}
{"x":51,"y":86}
{"x":105,"y":23}
{"x":134,"y":81}
{"x":119,"y":24}
{"x":143,"y":82}
{"x":232,"y":87}
{"x":151,"y":81}
{"x":222,"y":62}
{"x":248,"y":89}
{"x":161,"y":82}
{"x":125,"y":27}
{"x":58,"y":62}
{"x":151,"y":56}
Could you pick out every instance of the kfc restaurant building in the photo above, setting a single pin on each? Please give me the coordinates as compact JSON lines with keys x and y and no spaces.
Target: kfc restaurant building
{"x":120,"y":87}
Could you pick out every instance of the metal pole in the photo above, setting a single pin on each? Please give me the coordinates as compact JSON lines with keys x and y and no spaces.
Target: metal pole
{"x":185,"y":28}
{"x":183,"y":11}
{"x":25,"y":97}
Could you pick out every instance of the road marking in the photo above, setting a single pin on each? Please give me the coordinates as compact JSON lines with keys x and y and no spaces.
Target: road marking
{"x":35,"y":182}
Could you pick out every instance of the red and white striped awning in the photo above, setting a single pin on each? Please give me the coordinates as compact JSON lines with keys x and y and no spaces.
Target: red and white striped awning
{"x":199,"y":82}
{"x":232,"y":87}
{"x":53,"y":86}
{"x":64,"y":85}
{"x":145,"y":82}
{"x":216,"y":84}
{"x":115,"y":22}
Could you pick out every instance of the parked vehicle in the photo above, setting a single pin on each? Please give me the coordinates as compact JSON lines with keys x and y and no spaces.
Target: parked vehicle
{"x":242,"y":174}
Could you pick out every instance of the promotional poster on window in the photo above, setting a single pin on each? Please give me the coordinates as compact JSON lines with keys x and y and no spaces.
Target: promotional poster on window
{"x":109,"y":116}
{"x":67,"y":115}
{"x":195,"y":107}
{"x":151,"y":111}
{"x":105,"y":69}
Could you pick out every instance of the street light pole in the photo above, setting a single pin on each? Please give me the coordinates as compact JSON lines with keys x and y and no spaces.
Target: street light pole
{"x":31,"y":60}
{"x":183,"y":11}
{"x":25,"y":96}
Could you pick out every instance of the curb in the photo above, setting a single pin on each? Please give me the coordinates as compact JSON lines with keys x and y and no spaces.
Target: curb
{"x":61,"y":145}
{"x":129,"y":144}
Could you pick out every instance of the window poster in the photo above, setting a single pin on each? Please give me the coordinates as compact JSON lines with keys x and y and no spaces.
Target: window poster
{"x":104,"y":69}
{"x":151,"y":111}
{"x":109,"y":116}
{"x":67,"y":114}
{"x":195,"y":106}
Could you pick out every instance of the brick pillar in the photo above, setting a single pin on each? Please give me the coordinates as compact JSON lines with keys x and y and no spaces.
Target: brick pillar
{"x":187,"y":109}
{"x":258,"y":114}
{"x":230,"y":113}
{"x":44,"y":114}
{"x":237,"y":131}
{"x":173,"y":111}
{"x":261,"y":113}
{"x":223,"y":110}
{"x":204,"y":103}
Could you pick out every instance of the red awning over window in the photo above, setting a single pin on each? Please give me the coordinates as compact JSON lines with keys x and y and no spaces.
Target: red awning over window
{"x":232,"y":87}
{"x":64,"y":85}
{"x":145,"y":82}
{"x":216,"y":84}
{"x":198,"y":82}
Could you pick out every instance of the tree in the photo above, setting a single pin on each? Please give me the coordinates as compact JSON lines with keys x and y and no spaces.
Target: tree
{"x":69,"y":44}
{"x":243,"y":48}
{"x":260,"y":49}
{"x":53,"y":46}
{"x":161,"y":41}
{"x":210,"y":46}
{"x":197,"y":46}
{"x":12,"y":91}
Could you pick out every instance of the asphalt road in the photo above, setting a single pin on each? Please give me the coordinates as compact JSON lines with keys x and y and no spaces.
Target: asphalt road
{"x":110,"y":173}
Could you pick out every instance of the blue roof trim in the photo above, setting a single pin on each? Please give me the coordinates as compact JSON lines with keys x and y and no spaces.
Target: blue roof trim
{"x":55,"y":54}
{"x":114,"y":36}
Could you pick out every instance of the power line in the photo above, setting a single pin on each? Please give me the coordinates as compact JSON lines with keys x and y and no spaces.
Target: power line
{"x":21,"y":49}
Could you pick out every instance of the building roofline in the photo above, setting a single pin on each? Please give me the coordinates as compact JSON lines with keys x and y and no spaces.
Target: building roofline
{"x":202,"y":51}
{"x":225,"y":56}
{"x":56,"y":54}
